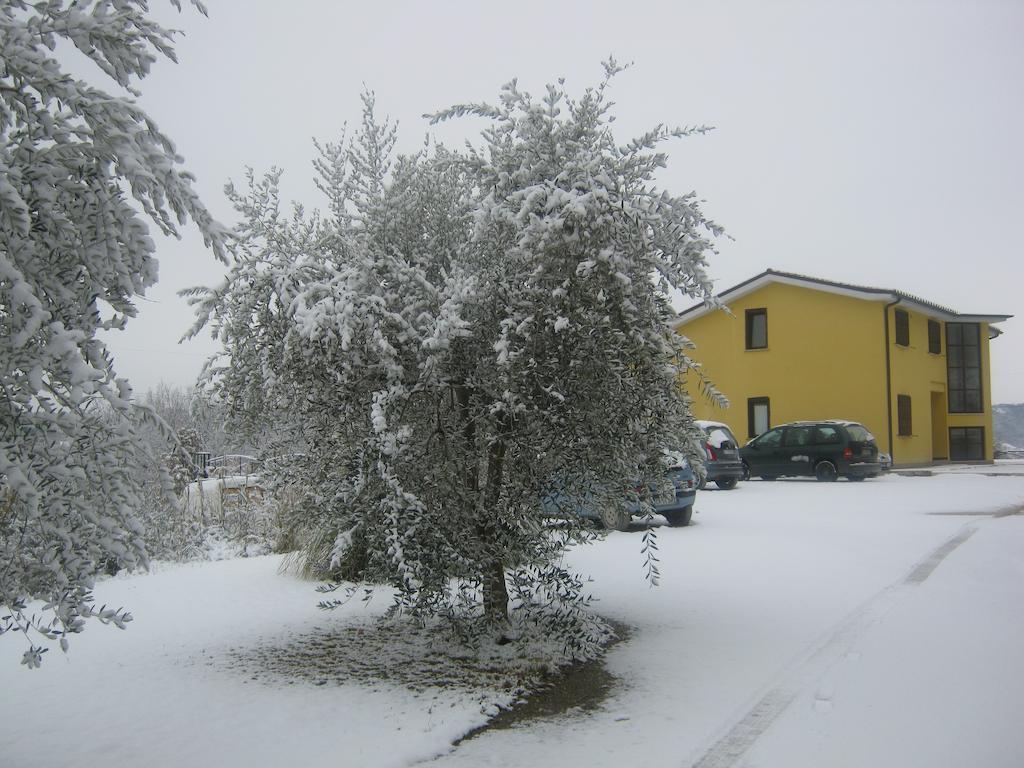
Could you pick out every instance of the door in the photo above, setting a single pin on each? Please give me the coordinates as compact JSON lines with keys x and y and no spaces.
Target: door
{"x":797,"y":454}
{"x":829,"y":444}
{"x":762,"y":455}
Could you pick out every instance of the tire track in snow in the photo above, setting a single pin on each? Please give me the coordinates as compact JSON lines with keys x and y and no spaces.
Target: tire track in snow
{"x":835,"y":646}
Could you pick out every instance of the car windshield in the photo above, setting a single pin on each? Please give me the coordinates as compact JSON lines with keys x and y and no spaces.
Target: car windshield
{"x":858,"y":434}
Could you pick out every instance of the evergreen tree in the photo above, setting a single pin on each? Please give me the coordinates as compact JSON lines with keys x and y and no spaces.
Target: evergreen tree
{"x":77,"y":165}
{"x":462,"y":332}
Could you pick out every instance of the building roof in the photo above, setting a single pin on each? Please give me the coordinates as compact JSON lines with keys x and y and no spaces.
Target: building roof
{"x":866,"y":293}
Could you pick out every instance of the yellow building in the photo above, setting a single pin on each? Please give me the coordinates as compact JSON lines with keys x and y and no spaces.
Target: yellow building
{"x":798,"y":348}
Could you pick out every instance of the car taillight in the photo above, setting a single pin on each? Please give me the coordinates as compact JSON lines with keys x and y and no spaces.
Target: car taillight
{"x":847,"y":453}
{"x":711,"y":452}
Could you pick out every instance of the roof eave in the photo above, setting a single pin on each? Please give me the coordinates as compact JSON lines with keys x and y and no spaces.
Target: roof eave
{"x":858,"y":292}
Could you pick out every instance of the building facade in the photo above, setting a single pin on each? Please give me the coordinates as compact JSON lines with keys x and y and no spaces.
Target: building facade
{"x":794,"y":347}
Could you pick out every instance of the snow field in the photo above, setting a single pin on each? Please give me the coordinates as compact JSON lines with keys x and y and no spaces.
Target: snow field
{"x":796,"y":624}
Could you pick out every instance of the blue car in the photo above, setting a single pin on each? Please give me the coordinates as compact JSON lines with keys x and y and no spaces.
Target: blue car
{"x":673,"y":499}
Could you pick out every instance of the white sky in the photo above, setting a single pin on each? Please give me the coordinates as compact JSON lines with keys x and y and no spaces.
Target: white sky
{"x":876,"y":142}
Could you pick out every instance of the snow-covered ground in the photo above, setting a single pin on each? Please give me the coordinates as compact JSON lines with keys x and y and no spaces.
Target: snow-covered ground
{"x":796,"y":624}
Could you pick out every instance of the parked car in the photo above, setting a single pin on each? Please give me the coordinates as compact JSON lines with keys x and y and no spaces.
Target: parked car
{"x":673,"y":499}
{"x":722,"y":456}
{"x":822,"y":449}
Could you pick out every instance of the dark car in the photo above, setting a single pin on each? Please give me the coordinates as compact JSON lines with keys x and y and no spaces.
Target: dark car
{"x":822,"y":449}
{"x":722,"y":461}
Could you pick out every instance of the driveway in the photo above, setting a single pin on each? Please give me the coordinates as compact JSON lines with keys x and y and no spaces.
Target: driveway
{"x":808,"y":624}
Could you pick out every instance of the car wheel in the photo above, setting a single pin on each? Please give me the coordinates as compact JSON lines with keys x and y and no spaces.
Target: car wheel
{"x":679,"y":517}
{"x":615,"y":519}
{"x":726,"y":483}
{"x":746,"y":471}
{"x":826,"y":471}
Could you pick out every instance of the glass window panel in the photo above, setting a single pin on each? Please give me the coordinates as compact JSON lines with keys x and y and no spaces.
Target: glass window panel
{"x":972,"y":401}
{"x":972,"y":356}
{"x":956,"y":401}
{"x":760,"y":417}
{"x":828,"y":436}
{"x":972,"y":378}
{"x":758,"y":330}
{"x":967,"y":443}
{"x":770,"y":439}
{"x":797,"y":437}
{"x":953,"y":334}
{"x":719,"y":437}
{"x":956,"y":378}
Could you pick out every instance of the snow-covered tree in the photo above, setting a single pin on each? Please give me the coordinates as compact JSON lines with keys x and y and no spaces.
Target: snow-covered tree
{"x":462,"y":332}
{"x":80,"y":171}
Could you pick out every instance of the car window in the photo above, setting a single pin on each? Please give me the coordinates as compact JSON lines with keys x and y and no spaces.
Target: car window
{"x":826,"y":435}
{"x":719,"y":435}
{"x":858,"y":433}
{"x":770,"y":439}
{"x":797,"y":437}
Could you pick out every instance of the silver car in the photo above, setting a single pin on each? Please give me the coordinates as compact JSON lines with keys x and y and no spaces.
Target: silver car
{"x":721,"y":456}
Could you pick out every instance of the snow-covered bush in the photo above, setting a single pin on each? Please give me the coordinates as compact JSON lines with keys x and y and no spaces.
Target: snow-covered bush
{"x":460,"y":330}
{"x":80,"y":170}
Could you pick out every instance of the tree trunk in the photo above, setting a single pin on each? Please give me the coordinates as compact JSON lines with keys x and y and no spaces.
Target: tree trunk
{"x":495,"y":588}
{"x":496,"y":595}
{"x":492,"y":577}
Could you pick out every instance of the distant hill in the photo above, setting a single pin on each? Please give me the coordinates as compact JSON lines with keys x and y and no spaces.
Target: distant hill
{"x":1008,"y":424}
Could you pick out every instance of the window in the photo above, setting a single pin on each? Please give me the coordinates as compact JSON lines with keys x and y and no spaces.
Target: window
{"x":720,"y":437}
{"x":934,"y":337}
{"x":963,"y":367}
{"x":903,"y":415}
{"x":798,"y":437}
{"x":902,"y":328}
{"x":771,"y":439}
{"x":967,"y":443}
{"x":826,"y":435}
{"x":758,"y":416}
{"x":757,"y":328}
{"x":859,"y":434}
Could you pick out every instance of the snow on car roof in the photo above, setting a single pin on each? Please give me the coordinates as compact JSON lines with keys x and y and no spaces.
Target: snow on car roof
{"x":803,"y":422}
{"x":704,"y":423}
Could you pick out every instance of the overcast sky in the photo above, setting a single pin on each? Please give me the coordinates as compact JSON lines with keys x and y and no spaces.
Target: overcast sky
{"x":874,"y":142}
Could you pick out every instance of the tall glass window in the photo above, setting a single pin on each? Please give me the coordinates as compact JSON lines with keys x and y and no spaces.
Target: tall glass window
{"x":758,"y":415}
{"x":963,"y":367}
{"x":757,"y":328}
{"x":967,"y":443}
